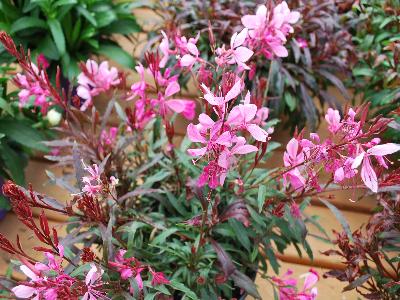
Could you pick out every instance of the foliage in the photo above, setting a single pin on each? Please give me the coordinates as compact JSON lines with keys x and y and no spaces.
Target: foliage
{"x":68,"y":31}
{"x":376,"y":38}
{"x":153,"y":214}
{"x":372,"y":256}
{"x":21,"y":133}
{"x":321,"y":50}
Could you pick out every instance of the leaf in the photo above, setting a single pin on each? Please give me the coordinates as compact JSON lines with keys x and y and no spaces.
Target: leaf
{"x":27,"y":23}
{"x":243,"y":281}
{"x":272,"y":259}
{"x":356,"y":283}
{"x":262,"y":190}
{"x":22,"y":133}
{"x":117,"y":54}
{"x":339,"y":216}
{"x":363,"y":72}
{"x":4,"y":105}
{"x":290,"y":101}
{"x":159,"y":239}
{"x":181,"y":287}
{"x":14,"y":162}
{"x":124,"y":26}
{"x":88,"y":15}
{"x":226,"y":262}
{"x":58,"y":34}
{"x":241,"y":233}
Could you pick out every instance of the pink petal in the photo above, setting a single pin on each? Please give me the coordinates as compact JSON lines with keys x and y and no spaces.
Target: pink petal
{"x":292,"y":147}
{"x":223,"y":160}
{"x":249,"y":112}
{"x":310,"y":280}
{"x":197,"y":152}
{"x":339,"y":175}
{"x":194,"y":134}
{"x":257,"y":132}
{"x":23,"y":291}
{"x":235,"y":116}
{"x":187,"y":60}
{"x":172,"y":88}
{"x":28,"y":272}
{"x":293,"y":17}
{"x":384,"y":149}
{"x":192,"y":48}
{"x":357,"y":161}
{"x":83,"y":92}
{"x":368,"y":175}
{"x":250,"y":21}
{"x":245,"y":149}
{"x":234,"y":91}
{"x":187,"y":107}
{"x":206,"y":121}
{"x":280,"y":50}
{"x":224,"y":139}
{"x":238,"y":39}
{"x":243,"y":54}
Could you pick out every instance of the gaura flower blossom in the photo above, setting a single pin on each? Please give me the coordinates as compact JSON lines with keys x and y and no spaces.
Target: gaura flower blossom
{"x":221,"y":100}
{"x":293,"y":158}
{"x":288,"y":290}
{"x":95,"y":79}
{"x":138,"y":88}
{"x":92,"y":183}
{"x":368,"y":174}
{"x":242,"y":117}
{"x":93,"y":282}
{"x":164,"y":48}
{"x":30,"y":88}
{"x":238,"y":54}
{"x":158,"y":278}
{"x":27,"y":291}
{"x":191,"y":57}
{"x":268,"y":33}
{"x":185,"y":107}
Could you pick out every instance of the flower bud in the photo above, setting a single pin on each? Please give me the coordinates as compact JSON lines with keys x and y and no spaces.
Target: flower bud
{"x":54,"y":117}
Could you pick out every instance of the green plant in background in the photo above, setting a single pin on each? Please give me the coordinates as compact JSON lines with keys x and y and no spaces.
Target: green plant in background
{"x":69,"y":31}
{"x":21,"y":133}
{"x":377,"y":40}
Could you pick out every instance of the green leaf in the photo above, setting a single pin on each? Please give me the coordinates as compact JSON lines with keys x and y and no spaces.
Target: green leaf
{"x":163,"y":236}
{"x":117,"y":54}
{"x":339,"y":216}
{"x":88,"y":15}
{"x":14,"y":162}
{"x":58,"y":34}
{"x":241,"y":233}
{"x":125,"y":26}
{"x":23,"y":133}
{"x":27,"y":23}
{"x":261,"y":197}
{"x":363,"y":72}
{"x":181,"y":287}
{"x":4,"y":105}
{"x":290,"y":101}
{"x":48,"y":48}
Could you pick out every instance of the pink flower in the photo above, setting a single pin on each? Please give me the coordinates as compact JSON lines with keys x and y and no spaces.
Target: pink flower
{"x":185,"y":107}
{"x":242,"y":118}
{"x":139,"y":88}
{"x":93,"y":282}
{"x":256,"y":23}
{"x":238,"y":53}
{"x":332,"y":117}
{"x":221,"y":100}
{"x":93,"y":184}
{"x":292,"y":158}
{"x":227,"y":157}
{"x":191,"y":57}
{"x":368,"y":174}
{"x":26,"y":291}
{"x":282,"y":18}
{"x":164,"y":48}
{"x":31,"y":88}
{"x":287,"y":286}
{"x":302,"y":43}
{"x":95,"y":79}
{"x":158,"y":278}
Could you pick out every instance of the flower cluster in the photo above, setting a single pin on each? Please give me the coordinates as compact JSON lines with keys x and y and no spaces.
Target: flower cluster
{"x":347,"y":148}
{"x":50,"y":282}
{"x":221,"y":140}
{"x":94,"y":80}
{"x":268,"y":31}
{"x":287,"y":286}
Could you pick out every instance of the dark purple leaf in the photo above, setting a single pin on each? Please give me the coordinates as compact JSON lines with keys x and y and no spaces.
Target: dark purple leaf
{"x":226,"y":263}
{"x":356,"y":283}
{"x":243,"y":281}
{"x":236,"y":210}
